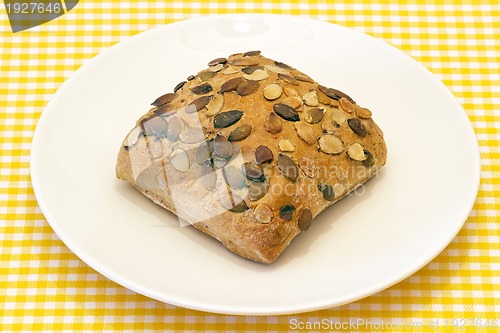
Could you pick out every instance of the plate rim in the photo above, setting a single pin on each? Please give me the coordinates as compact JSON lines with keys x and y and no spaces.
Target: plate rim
{"x":242,"y":310}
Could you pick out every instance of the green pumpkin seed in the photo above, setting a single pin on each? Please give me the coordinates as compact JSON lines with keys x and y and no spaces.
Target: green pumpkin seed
{"x":328,"y":192}
{"x":247,"y":87}
{"x":251,"y":69}
{"x":334,"y":93}
{"x":357,"y":127}
{"x":263,"y":154}
{"x":198,"y":104}
{"x":228,"y":118}
{"x":231,"y":84}
{"x":233,"y":203}
{"x":314,"y":116}
{"x":240,"y":133}
{"x":179,"y":86}
{"x":253,"y":172}
{"x":286,"y":112}
{"x":305,"y":219}
{"x":217,"y":61}
{"x":288,"y":167}
{"x":370,"y":160}
{"x":257,"y":190}
{"x":202,"y":89}
{"x":222,"y":147}
{"x":234,"y":178}
{"x":164,"y":99}
{"x":286,"y":212}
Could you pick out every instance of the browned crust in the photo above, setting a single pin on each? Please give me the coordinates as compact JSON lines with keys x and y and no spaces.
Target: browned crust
{"x":240,"y":232}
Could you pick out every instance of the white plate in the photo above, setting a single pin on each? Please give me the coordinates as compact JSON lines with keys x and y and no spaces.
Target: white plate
{"x":363,"y":244}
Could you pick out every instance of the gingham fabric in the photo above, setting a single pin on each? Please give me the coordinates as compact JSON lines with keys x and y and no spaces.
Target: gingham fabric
{"x":45,"y":287}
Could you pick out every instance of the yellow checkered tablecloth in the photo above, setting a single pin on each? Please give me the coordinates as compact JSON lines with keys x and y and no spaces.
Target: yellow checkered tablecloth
{"x":44,"y":286}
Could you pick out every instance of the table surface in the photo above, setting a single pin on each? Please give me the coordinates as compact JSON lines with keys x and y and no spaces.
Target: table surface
{"x":44,"y":286}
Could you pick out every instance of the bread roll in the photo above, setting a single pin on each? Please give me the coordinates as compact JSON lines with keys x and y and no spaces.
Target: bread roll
{"x":249,"y":151}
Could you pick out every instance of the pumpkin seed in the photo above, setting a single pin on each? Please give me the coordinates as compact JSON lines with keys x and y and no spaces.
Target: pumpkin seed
{"x":283,"y":65}
{"x":165,"y":110}
{"x":328,"y":192}
{"x":231,"y":84}
{"x":263,"y":154}
{"x":334,"y":93}
{"x":222,"y":147}
{"x":216,"y":68}
{"x":175,"y":126}
{"x":202,"y":89}
{"x":179,"y":86}
{"x":275,"y":69}
{"x":304,"y":78}
{"x":263,"y":214}
{"x":217,"y":61}
{"x":180,"y":160}
{"x":218,"y":161}
{"x":339,"y":116}
{"x":229,"y":70}
{"x":292,"y":101}
{"x":233,"y":203}
{"x":305,"y":132}
{"x":286,"y":145}
{"x":198,"y":104}
{"x":370,"y":160}
{"x":357,"y":127}
{"x":155,"y":126}
{"x":314,"y":116}
{"x":228,"y":118}
{"x":310,"y":98}
{"x":253,"y":172}
{"x":363,"y":112}
{"x":305,"y":219}
{"x":208,"y":178}
{"x":327,"y":127}
{"x":234,"y":178}
{"x":258,"y":75}
{"x":322,"y":98}
{"x":251,"y":53}
{"x":330,"y":144}
{"x":290,"y":91}
{"x":192,"y":135}
{"x":247,"y":87}
{"x":286,"y":212}
{"x":272,"y":91}
{"x":286,"y":112}
{"x":251,"y":69}
{"x":240,"y":133}
{"x":356,"y":152}
{"x":164,"y":99}
{"x":215,"y":105}
{"x":257,"y":190}
{"x":288,"y":167}
{"x":346,"y":105}
{"x":205,"y":75}
{"x":203,"y":155}
{"x":244,"y":62}
{"x":273,"y":123}
{"x":234,"y":56}
{"x":288,"y":79}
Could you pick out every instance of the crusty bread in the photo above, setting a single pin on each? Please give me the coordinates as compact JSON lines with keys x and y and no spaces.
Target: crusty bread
{"x":249,"y":151}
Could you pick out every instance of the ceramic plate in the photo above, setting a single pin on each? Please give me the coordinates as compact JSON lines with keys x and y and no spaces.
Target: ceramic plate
{"x":387,"y":230}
